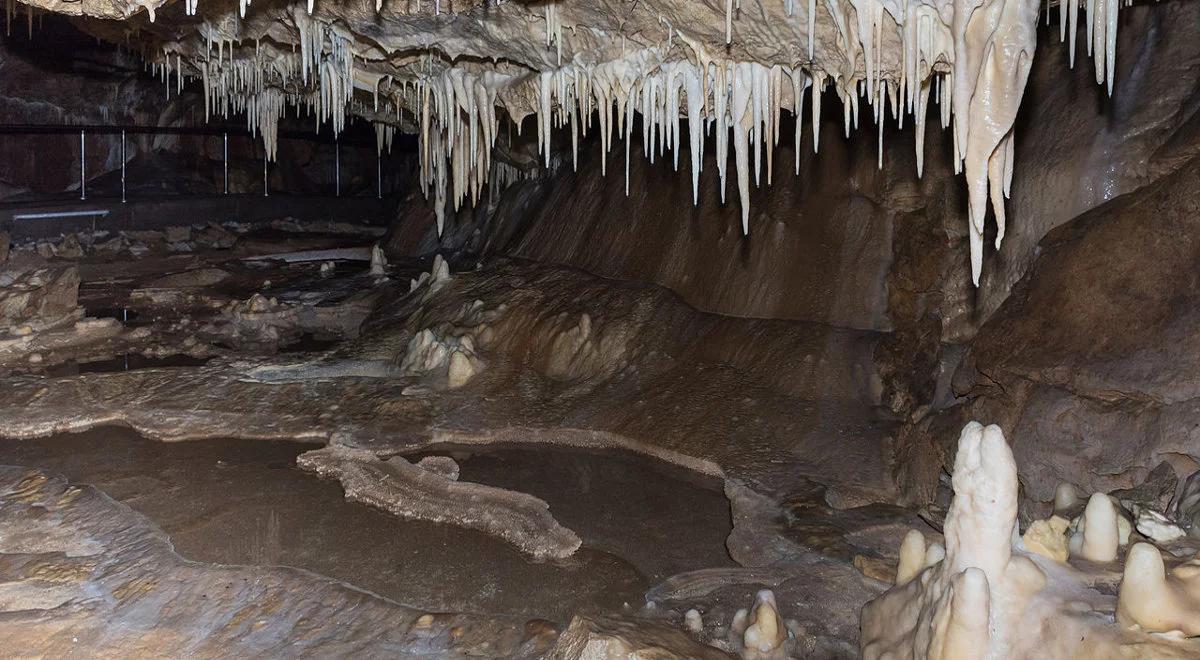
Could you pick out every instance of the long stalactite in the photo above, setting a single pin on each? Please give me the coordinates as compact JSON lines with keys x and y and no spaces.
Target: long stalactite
{"x":578,"y":68}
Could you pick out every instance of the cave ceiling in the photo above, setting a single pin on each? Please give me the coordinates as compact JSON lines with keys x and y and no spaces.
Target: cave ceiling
{"x":451,"y":71}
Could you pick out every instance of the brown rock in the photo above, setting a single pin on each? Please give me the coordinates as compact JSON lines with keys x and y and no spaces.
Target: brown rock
{"x":1093,"y":363}
{"x":612,"y":637}
{"x":875,"y":568}
{"x":38,"y":296}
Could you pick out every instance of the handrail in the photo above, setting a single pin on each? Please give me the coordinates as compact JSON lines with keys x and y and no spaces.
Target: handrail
{"x":136,"y":129}
{"x":224,"y":131}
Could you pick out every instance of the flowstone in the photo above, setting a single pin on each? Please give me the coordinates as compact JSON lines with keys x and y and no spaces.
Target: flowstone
{"x":413,"y":491}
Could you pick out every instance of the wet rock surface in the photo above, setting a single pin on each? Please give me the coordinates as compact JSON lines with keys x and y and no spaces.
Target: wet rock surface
{"x":623,"y":383}
{"x":85,"y":572}
{"x":409,"y":491}
{"x":564,"y":352}
{"x":1092,"y":362}
{"x":247,"y":503}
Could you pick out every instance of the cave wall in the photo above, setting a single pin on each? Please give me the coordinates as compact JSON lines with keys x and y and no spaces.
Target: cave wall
{"x":1077,"y":147}
{"x":818,"y":249}
{"x":1090,"y":365}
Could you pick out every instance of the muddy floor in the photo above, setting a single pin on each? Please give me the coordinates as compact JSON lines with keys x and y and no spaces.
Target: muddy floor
{"x":239,"y":502}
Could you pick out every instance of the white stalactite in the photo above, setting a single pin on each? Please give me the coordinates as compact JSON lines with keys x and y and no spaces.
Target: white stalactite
{"x":972,"y":56}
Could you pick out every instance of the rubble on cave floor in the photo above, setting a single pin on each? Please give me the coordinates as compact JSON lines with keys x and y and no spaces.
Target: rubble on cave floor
{"x":195,"y":292}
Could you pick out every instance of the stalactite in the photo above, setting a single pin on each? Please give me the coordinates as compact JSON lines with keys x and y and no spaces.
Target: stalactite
{"x":973,"y":66}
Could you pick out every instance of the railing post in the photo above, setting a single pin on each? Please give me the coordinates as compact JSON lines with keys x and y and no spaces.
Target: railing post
{"x":82,"y":167}
{"x":265,"y":193}
{"x":122,"y":166}
{"x":225,"y":161}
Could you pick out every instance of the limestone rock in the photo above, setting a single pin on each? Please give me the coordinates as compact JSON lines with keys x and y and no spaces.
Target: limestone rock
{"x":178,"y":234}
{"x":460,"y":370}
{"x":38,"y":296}
{"x":1048,"y":538}
{"x":1155,"y":492}
{"x":1156,"y":527}
{"x":1187,"y":504}
{"x":404,"y":489}
{"x":1157,"y":601}
{"x":875,"y":568}
{"x":441,"y":465}
{"x":594,"y":637}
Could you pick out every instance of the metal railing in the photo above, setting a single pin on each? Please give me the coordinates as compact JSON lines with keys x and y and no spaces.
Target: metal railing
{"x":224,"y":131}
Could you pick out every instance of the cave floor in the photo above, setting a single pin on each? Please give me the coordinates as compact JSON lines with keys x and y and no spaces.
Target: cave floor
{"x":246,"y":503}
{"x":697,"y":458}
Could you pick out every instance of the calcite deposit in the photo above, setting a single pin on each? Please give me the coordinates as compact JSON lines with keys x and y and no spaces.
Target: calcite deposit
{"x":447,"y":71}
{"x":990,"y":597}
{"x":408,"y":490}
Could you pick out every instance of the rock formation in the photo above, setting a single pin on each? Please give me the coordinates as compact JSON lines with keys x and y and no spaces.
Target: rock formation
{"x":408,"y":490}
{"x":83,"y":571}
{"x":990,"y":598}
{"x":1099,"y":410}
{"x":686,"y":68}
{"x":696,"y":233}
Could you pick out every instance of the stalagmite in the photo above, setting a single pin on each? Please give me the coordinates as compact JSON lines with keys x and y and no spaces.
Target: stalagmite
{"x":1156,"y":601}
{"x":912,"y":556}
{"x":976,"y":574}
{"x":1066,"y":499}
{"x":1098,"y":537}
{"x":693,"y":622}
{"x":760,"y":632}
{"x":378,"y":261}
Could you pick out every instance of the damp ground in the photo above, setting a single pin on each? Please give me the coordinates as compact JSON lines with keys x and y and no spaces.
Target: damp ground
{"x":245,"y":502}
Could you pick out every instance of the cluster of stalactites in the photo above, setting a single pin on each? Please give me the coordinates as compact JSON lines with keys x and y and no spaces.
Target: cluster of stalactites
{"x":190,"y":7}
{"x":738,"y":103}
{"x":384,"y":134}
{"x":975,"y":67}
{"x":458,"y":120}
{"x":170,"y":63}
{"x":733,"y":101}
{"x":10,"y":15}
{"x":1101,"y":34}
{"x":985,"y":53}
{"x":317,"y":81}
